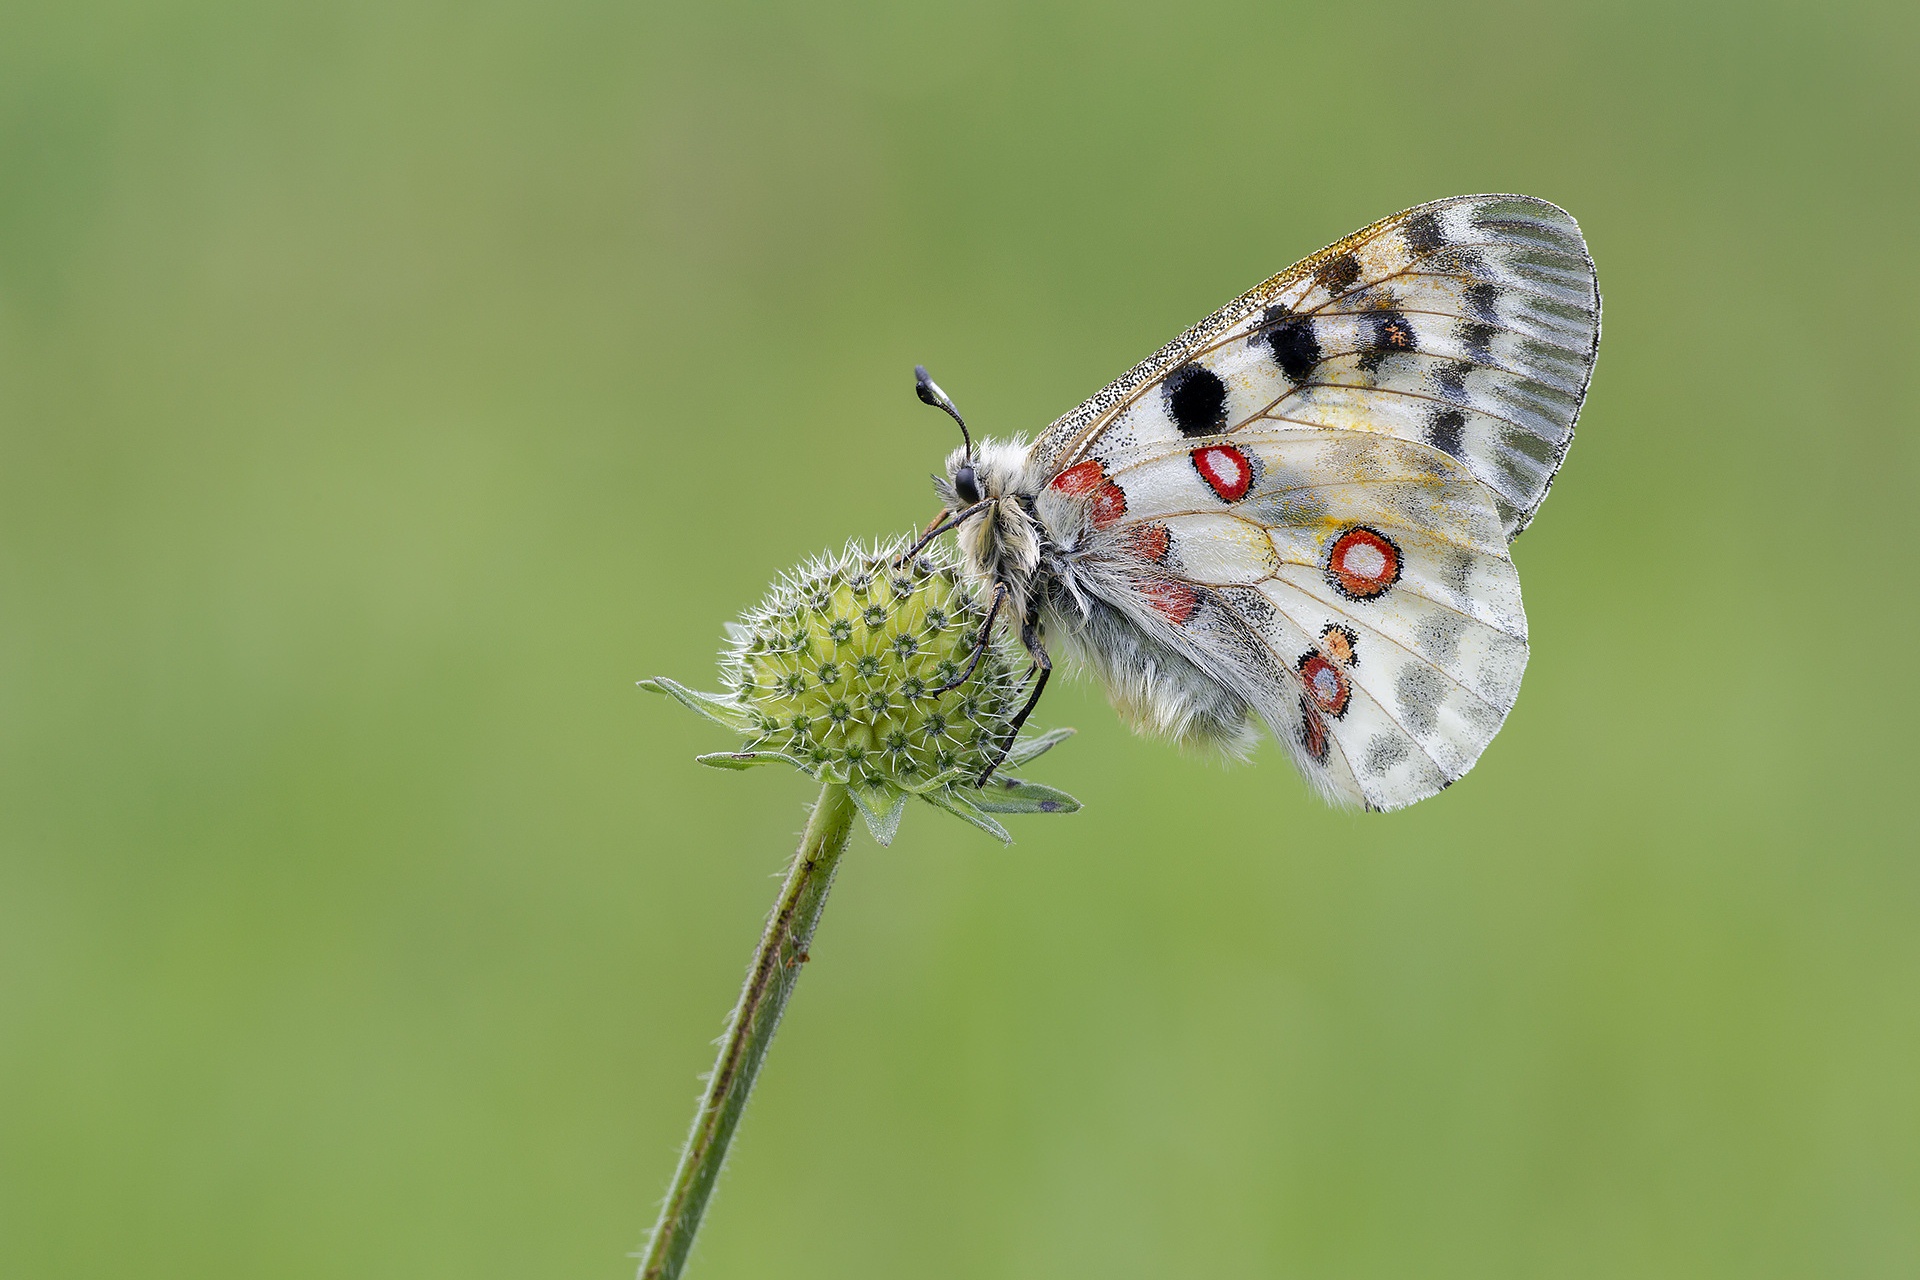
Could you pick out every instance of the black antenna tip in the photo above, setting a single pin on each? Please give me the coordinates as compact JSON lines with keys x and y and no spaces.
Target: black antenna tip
{"x":930,"y":393}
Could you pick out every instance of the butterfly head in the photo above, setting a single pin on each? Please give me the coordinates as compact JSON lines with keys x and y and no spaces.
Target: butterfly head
{"x":993,"y":471}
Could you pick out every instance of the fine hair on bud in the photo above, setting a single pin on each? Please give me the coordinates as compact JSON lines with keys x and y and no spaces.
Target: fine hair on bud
{"x":842,"y":668}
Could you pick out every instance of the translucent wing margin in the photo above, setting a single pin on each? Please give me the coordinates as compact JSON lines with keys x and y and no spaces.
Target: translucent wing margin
{"x":1468,"y":325}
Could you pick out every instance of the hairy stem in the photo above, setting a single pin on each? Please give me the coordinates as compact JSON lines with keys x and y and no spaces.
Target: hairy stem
{"x":770,"y":982}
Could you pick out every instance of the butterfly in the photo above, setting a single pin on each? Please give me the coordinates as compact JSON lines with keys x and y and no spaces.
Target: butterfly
{"x":1297,"y":514}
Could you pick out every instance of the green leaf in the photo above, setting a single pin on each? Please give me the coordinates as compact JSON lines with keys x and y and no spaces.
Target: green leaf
{"x":938,"y":782}
{"x":881,"y":805}
{"x":1028,"y":748}
{"x":720,"y":710}
{"x":1011,"y":795}
{"x":960,"y":807}
{"x":747,"y":759}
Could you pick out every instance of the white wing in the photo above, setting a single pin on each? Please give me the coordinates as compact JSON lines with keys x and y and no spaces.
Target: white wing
{"x":1352,"y":588}
{"x":1468,"y":325}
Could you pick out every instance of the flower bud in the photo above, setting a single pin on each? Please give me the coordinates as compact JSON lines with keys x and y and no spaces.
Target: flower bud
{"x":844,"y":662}
{"x":866,"y":670}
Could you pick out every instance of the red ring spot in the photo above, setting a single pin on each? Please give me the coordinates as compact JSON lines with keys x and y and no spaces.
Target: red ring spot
{"x":1326,"y":684}
{"x":1147,"y":541}
{"x":1174,"y":601}
{"x":1363,"y":563}
{"x":1313,"y":733}
{"x":1077,"y":479}
{"x":1225,"y":469}
{"x":1109,"y":503}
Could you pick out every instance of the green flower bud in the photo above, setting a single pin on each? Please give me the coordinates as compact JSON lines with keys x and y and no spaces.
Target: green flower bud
{"x":842,"y":671}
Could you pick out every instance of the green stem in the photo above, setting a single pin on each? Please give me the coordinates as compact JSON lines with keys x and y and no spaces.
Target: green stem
{"x":770,"y":982}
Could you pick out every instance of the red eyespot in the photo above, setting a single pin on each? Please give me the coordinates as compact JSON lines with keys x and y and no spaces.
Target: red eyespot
{"x":1363,"y":563}
{"x":1079,"y":478}
{"x":1327,"y":684}
{"x":1313,"y":733}
{"x":1225,"y":469}
{"x":1147,"y":541}
{"x":1174,"y":601}
{"x":1108,"y":502}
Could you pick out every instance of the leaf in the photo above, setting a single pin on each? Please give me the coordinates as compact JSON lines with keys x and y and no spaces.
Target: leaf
{"x":1028,"y":748}
{"x":881,"y":805}
{"x":722,"y":711}
{"x":746,"y":759}
{"x":960,"y":807}
{"x":1011,"y":795}
{"x":938,"y":782}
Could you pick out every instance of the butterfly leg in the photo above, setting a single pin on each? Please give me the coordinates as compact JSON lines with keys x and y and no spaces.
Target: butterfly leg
{"x":941,"y":523}
{"x":980,"y":645}
{"x":1030,"y":637}
{"x":934,"y":526}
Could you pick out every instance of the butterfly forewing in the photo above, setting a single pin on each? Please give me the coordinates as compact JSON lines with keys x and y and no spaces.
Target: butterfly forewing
{"x":1468,"y":325}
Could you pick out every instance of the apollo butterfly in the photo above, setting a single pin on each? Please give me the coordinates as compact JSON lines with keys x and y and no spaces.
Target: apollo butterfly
{"x":1296,"y":514}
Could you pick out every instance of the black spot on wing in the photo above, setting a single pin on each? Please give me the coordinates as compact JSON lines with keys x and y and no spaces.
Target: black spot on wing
{"x":1482,"y":300}
{"x":1450,"y":379}
{"x":1291,"y":339}
{"x":1387,"y":333}
{"x":1420,"y":691}
{"x":1423,"y":233}
{"x":1337,"y":274}
{"x":1477,"y":337}
{"x":1457,"y":261}
{"x":1396,"y":332}
{"x":1250,"y":605}
{"x":1444,"y":425}
{"x":1196,"y":400}
{"x":1384,"y":751}
{"x":1438,"y":636}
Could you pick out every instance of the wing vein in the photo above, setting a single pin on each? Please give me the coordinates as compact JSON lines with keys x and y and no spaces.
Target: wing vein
{"x":1414,"y":654}
{"x":1394,"y":391}
{"x":1391,"y":718}
{"x":1298,"y":685}
{"x":1403,"y":587}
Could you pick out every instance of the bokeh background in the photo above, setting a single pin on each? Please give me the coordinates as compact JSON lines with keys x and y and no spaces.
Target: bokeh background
{"x":385,"y":387}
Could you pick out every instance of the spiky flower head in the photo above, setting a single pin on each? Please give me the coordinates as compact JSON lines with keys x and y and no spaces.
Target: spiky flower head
{"x":848,"y":671}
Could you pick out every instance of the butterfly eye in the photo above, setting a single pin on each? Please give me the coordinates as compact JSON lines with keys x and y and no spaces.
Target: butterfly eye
{"x":965,"y":485}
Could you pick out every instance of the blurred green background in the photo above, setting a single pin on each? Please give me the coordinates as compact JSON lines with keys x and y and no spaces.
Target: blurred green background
{"x":385,"y":387}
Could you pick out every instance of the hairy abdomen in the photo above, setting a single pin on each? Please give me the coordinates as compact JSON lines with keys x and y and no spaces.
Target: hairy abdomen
{"x":1157,"y":690}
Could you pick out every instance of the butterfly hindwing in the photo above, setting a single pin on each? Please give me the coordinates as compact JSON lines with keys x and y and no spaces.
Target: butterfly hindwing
{"x":1354,"y":588}
{"x":1468,"y":325}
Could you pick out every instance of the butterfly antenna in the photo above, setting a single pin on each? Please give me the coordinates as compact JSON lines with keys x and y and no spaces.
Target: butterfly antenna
{"x":930,"y":393}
